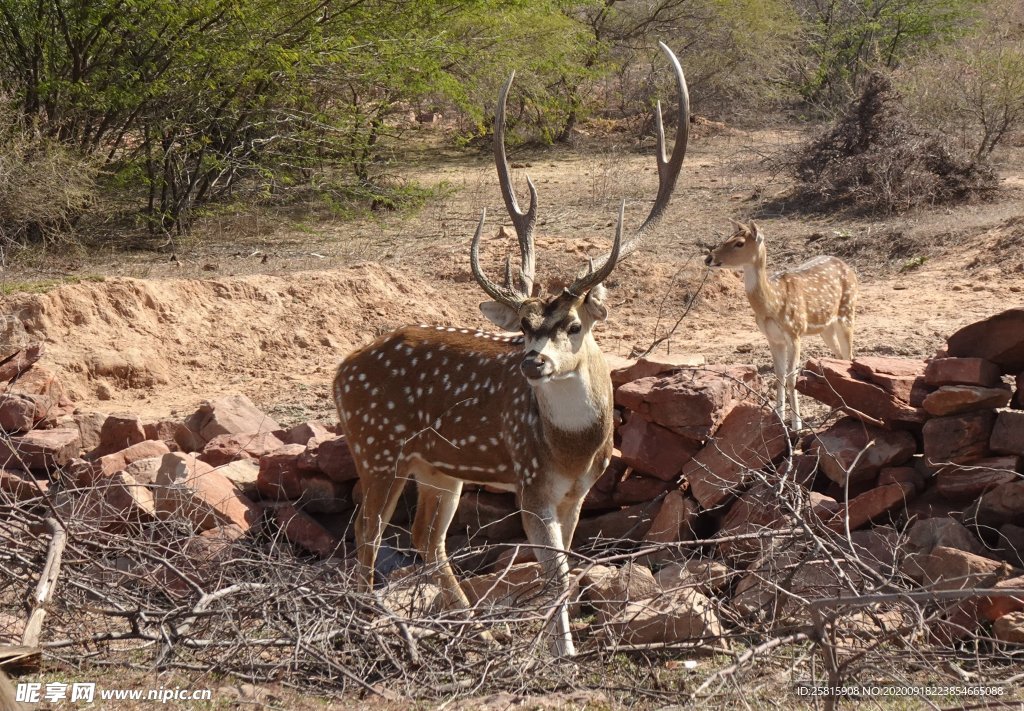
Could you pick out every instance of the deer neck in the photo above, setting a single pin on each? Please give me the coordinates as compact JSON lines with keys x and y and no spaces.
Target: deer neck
{"x":763,"y":296}
{"x":580,"y":401}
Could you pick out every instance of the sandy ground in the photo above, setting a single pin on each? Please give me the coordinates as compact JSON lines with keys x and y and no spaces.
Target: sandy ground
{"x":268,"y":305}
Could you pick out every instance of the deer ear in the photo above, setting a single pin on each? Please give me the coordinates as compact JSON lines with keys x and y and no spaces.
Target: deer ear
{"x":758,"y":237}
{"x":502,"y":316}
{"x":594,"y":303}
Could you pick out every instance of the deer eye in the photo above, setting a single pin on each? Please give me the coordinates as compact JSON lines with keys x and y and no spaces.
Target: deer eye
{"x":574,"y":329}
{"x":738,"y":245}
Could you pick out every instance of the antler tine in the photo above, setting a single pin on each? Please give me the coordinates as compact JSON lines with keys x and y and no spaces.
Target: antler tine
{"x":668,"y":167}
{"x":499,"y":294}
{"x":523,"y":221}
{"x":592,"y":278}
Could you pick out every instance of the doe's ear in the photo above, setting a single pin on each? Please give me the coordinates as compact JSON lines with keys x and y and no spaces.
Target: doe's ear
{"x":594,"y":303}
{"x":502,"y":316}
{"x":758,"y":236}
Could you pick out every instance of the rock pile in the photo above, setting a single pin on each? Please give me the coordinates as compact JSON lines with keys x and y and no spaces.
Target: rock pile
{"x":921,"y":478}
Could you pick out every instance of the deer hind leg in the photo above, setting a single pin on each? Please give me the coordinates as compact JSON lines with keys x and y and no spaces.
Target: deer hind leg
{"x":544,"y":528}
{"x":436,"y":503}
{"x":833,"y":339}
{"x":844,"y":334}
{"x":380,"y":496}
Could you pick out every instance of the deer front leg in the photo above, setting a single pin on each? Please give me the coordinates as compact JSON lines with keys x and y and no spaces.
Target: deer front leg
{"x":544,"y":529}
{"x":793,"y":361}
{"x":780,"y":365}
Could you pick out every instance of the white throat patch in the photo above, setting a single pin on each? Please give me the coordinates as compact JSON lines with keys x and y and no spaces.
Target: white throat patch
{"x":567,"y":402}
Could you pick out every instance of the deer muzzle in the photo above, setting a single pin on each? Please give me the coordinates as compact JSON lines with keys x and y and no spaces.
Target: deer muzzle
{"x":536,"y":366}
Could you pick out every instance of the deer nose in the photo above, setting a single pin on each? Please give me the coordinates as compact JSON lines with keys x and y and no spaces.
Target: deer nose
{"x":708,"y":258}
{"x":535,"y":366}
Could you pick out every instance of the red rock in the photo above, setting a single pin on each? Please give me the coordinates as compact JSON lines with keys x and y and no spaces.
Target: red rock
{"x":1010,"y":628}
{"x":749,"y":439}
{"x":601,"y":493}
{"x":957,"y":438}
{"x":756,"y":510}
{"x":229,"y":447}
{"x":281,"y":479}
{"x":90,"y":425}
{"x":1008,"y":433}
{"x":334,"y":459}
{"x":165,"y":431}
{"x":302,"y":433}
{"x":21,"y":486}
{"x":1000,"y":505}
{"x":233,"y":414}
{"x":244,"y":474}
{"x":692,"y":402}
{"x":684,"y":616}
{"x":872,"y":504}
{"x":110,"y":464}
{"x":118,"y":432}
{"x":279,"y":476}
{"x":515,"y":586}
{"x":1011,"y":544}
{"x":837,"y":384}
{"x":962,"y":371}
{"x":846,"y":442}
{"x":896,"y":376}
{"x":630,"y":523}
{"x":127,"y":499}
{"x":968,"y":480}
{"x":190,"y":489}
{"x":954,"y":569}
{"x":907,"y":476}
{"x":707,"y":576}
{"x":145,"y":470}
{"x":45,"y":390}
{"x":999,"y":338}
{"x":17,"y":412}
{"x":674,"y":522}
{"x":304,"y":531}
{"x":17,"y":363}
{"x":654,"y":365}
{"x":956,"y":399}
{"x":609,"y":590}
{"x":994,"y":607}
{"x":637,"y":488}
{"x":492,"y":516}
{"x":40,"y":450}
{"x":653,"y":449}
{"x":926,"y":534}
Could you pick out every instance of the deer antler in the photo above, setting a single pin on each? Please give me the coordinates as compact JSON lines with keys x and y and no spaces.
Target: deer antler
{"x":522,"y":221}
{"x":592,"y":278}
{"x":668,"y":168}
{"x":506,"y":295}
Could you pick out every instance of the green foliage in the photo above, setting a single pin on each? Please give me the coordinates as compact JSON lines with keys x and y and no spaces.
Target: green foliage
{"x":974,"y":90}
{"x":845,"y":40}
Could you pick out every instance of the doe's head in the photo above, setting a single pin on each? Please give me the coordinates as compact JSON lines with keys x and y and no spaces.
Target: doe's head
{"x":745,"y":246}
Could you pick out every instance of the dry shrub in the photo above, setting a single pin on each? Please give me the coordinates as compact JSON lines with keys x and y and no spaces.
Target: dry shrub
{"x":875,"y":160}
{"x":44,"y":186}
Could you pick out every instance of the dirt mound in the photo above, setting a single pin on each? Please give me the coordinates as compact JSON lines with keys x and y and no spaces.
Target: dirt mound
{"x":128,"y":340}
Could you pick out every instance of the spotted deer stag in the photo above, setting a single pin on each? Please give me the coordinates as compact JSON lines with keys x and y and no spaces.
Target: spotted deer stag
{"x":819,"y":296}
{"x":529,"y":413}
